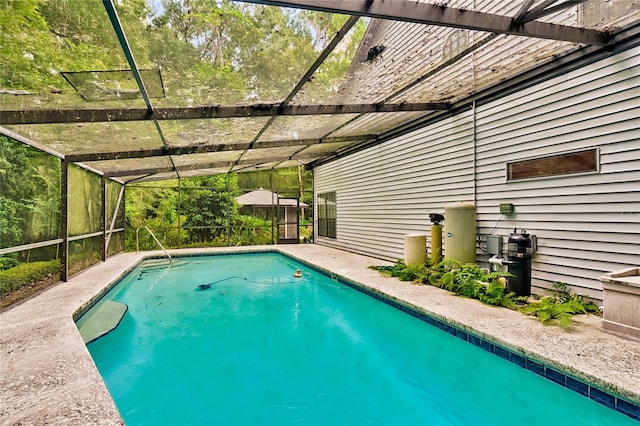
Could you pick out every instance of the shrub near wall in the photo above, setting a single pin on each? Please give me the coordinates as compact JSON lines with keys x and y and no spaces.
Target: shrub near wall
{"x":26,"y":274}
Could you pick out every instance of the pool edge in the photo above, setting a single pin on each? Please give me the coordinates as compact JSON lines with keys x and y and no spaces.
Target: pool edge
{"x":606,"y":394}
{"x":42,"y":342}
{"x":592,"y":387}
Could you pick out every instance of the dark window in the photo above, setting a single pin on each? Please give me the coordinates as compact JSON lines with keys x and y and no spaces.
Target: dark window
{"x":327,"y":215}
{"x":553,"y":165}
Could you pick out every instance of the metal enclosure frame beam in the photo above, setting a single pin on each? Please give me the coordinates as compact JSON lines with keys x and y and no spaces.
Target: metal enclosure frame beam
{"x":342,"y":32}
{"x":126,"y":49}
{"x":103,"y":219}
{"x":64,"y":220}
{"x":547,"y":8}
{"x":186,"y":150}
{"x":206,"y":165}
{"x":116,"y":209}
{"x":104,"y":115}
{"x":434,"y":14}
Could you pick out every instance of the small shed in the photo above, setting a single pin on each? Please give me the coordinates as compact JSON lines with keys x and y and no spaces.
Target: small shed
{"x":266,"y":204}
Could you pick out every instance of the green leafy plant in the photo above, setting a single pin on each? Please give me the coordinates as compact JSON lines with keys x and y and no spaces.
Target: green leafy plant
{"x":404,"y":272}
{"x":464,"y":280}
{"x":494,"y":294}
{"x":467,"y":280}
{"x":7,"y":262}
{"x":560,"y":306}
{"x":26,"y":273}
{"x":470,"y":280}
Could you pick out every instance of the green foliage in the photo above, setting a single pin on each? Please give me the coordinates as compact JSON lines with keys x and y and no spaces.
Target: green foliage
{"x":29,"y":194}
{"x":470,"y":280}
{"x":560,"y":306}
{"x":155,"y":206}
{"x":250,"y":230}
{"x":209,"y":208}
{"x":206,"y":49}
{"x":26,"y":273}
{"x":84,"y":198}
{"x":8,"y":262}
{"x":40,"y":38}
{"x":415,"y":273}
{"x":494,"y":294}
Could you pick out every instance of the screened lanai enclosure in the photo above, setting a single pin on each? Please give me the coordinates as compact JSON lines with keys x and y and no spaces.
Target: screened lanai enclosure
{"x":120,"y":117}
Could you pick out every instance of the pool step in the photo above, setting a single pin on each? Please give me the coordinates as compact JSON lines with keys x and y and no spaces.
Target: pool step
{"x":101,"y":320}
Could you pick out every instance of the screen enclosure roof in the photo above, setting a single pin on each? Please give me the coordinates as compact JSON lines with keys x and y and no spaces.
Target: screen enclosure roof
{"x":174,"y":88}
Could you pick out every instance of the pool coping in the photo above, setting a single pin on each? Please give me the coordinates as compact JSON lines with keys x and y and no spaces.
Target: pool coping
{"x":47,"y":374}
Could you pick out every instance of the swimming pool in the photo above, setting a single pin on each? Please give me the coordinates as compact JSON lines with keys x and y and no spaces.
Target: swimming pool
{"x":262,"y":347}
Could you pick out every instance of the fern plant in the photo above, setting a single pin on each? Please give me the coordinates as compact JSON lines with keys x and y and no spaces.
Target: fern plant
{"x":470,"y":280}
{"x":494,"y":293}
{"x":560,"y":306}
{"x":443,"y":273}
{"x":404,"y":272}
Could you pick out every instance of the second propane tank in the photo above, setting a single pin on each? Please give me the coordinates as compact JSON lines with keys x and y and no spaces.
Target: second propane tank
{"x":460,"y":232}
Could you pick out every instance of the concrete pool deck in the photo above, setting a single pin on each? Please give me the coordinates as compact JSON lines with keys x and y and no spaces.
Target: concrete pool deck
{"x":47,"y":375}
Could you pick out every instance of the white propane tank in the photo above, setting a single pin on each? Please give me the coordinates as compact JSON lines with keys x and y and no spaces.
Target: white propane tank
{"x":415,"y":249}
{"x":460,"y":232}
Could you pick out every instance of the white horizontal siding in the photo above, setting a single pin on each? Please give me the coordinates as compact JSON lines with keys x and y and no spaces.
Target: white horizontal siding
{"x":389,"y":190}
{"x":586,"y":224}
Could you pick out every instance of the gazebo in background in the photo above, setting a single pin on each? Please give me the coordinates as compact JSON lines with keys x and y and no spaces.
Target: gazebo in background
{"x":269,"y":205}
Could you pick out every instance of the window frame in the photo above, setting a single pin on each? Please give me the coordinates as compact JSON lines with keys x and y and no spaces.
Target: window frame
{"x":553,"y":174}
{"x":327,"y":212}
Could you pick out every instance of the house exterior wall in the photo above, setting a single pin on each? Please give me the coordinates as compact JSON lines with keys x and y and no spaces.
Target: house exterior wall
{"x":387,"y":191}
{"x":586,"y":224}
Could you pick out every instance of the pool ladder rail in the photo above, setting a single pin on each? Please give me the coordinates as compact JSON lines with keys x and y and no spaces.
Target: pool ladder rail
{"x":155,"y":239}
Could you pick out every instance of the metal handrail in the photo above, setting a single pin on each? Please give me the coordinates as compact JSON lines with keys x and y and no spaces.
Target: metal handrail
{"x":155,"y":239}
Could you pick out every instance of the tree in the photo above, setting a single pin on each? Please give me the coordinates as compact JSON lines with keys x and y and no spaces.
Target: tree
{"x":29,"y":179}
{"x":207,"y":49}
{"x":209,"y":207}
{"x":154,"y":205}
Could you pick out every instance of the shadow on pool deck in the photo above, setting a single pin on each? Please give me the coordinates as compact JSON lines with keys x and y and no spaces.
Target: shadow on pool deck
{"x":48,"y":376}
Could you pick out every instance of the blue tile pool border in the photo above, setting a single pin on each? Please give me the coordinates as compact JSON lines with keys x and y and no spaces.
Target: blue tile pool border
{"x":594,"y":393}
{"x":609,"y":400}
{"x":574,"y":384}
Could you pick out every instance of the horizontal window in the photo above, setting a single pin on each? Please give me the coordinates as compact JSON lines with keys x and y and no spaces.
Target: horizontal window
{"x":554,"y":165}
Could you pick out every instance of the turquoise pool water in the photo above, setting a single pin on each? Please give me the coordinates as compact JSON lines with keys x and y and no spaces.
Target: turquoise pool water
{"x":260,"y":347}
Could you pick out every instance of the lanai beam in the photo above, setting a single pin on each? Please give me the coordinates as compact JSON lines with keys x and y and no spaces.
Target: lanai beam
{"x":49,"y":116}
{"x":434,"y":14}
{"x":526,"y":5}
{"x":126,"y":49}
{"x":135,"y":70}
{"x":547,"y":8}
{"x":200,"y":166}
{"x":307,"y":76}
{"x":185,"y":150}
